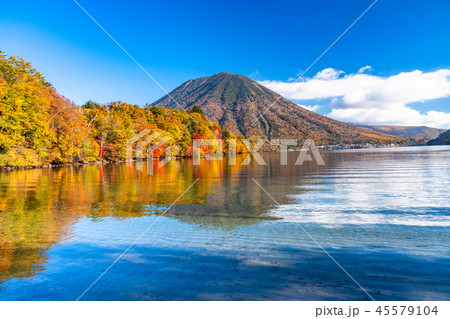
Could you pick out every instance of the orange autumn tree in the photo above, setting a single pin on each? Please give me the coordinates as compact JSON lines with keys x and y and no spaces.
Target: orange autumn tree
{"x":69,"y":131}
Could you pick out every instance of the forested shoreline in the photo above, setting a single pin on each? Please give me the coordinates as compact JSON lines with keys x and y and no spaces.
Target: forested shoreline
{"x":40,"y":127}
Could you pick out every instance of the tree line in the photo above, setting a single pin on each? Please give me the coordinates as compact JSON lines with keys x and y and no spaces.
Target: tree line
{"x":38,"y":126}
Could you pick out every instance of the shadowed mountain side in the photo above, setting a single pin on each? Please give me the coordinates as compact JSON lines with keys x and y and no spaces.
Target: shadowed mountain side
{"x":247,"y":108}
{"x":443,"y":139}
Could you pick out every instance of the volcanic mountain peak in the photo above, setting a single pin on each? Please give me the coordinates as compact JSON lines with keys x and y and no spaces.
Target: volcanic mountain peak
{"x":247,"y":108}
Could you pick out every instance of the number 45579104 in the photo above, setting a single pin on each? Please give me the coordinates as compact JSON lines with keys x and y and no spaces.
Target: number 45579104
{"x":407,"y":310}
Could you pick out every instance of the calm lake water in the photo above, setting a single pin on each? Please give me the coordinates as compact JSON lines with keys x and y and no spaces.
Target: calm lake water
{"x":383,"y":214}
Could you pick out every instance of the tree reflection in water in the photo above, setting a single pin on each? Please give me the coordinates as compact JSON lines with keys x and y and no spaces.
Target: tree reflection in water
{"x":38,"y":207}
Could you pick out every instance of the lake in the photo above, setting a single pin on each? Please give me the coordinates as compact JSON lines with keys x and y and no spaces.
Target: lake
{"x":383,"y":215}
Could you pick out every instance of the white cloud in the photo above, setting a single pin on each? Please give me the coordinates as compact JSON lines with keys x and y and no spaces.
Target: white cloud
{"x":328,"y":74}
{"x":311,"y":107}
{"x":367,"y":99}
{"x":365,"y":68}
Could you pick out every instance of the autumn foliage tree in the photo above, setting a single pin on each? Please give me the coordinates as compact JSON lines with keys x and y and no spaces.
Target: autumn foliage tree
{"x":39,"y":126}
{"x":25,"y":102}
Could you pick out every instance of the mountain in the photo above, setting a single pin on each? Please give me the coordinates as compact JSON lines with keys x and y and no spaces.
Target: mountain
{"x":247,"y":108}
{"x":443,"y":139}
{"x":414,"y":132}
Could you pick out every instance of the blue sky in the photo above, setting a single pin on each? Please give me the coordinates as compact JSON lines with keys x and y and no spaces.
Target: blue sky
{"x":179,"y":40}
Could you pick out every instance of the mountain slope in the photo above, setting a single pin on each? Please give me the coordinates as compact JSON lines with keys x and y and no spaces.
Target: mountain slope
{"x":238,"y":104}
{"x":443,"y":139}
{"x":414,"y":132}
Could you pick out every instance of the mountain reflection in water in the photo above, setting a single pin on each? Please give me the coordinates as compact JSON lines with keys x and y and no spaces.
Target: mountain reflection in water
{"x":39,"y":206}
{"x":360,"y":205}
